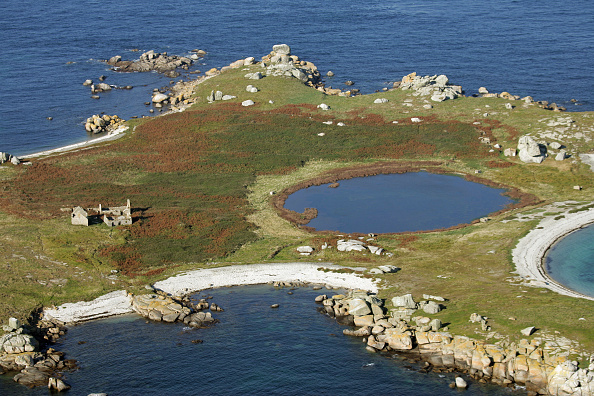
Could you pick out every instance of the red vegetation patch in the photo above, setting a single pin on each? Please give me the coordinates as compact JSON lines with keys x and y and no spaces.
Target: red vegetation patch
{"x":499,"y":164}
{"x":125,"y":258}
{"x":406,"y":240}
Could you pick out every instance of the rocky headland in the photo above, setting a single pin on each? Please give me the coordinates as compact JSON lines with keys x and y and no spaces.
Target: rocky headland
{"x":538,"y":363}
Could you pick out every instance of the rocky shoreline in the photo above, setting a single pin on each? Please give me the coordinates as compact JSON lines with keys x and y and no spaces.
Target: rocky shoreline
{"x":24,"y":349}
{"x":404,"y":329}
{"x":528,"y":362}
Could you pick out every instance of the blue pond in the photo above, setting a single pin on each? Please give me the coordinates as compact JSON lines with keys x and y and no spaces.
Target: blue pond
{"x":397,"y":203}
{"x":254,"y":350}
{"x":571,"y":261}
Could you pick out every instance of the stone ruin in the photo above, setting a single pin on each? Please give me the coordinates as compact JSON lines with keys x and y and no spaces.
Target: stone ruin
{"x":117,"y":215}
{"x":113,"y":216}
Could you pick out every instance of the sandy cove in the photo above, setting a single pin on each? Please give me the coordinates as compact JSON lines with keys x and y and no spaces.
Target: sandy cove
{"x":118,"y":302}
{"x":529,"y":253}
{"x":113,"y":135}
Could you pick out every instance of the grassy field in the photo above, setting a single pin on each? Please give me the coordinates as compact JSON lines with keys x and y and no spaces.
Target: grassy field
{"x":200,"y":182}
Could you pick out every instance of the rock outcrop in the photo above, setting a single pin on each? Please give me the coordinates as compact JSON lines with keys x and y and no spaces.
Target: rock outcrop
{"x":280,"y":62}
{"x":527,"y":363}
{"x":529,"y":151}
{"x":151,"y":61}
{"x":103,"y":123}
{"x":5,"y":157}
{"x":437,"y":87}
{"x":161,"y":308}
{"x":21,"y":351}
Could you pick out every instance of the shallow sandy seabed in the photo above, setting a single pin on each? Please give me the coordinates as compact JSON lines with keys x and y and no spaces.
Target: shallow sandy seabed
{"x":118,"y":302}
{"x":529,"y":253}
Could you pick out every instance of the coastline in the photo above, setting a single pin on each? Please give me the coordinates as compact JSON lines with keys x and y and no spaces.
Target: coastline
{"x":529,"y":253}
{"x":119,"y":132}
{"x":116,"y":134}
{"x":118,"y":302}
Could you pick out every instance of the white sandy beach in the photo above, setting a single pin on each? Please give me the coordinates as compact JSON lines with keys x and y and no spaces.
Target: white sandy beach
{"x":118,"y":302}
{"x":529,"y":252}
{"x":113,"y":135}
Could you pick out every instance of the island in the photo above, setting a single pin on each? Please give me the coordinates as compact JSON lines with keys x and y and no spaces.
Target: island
{"x":205,"y":180}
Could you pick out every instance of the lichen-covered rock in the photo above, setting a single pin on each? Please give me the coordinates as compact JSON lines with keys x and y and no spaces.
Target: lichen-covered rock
{"x":396,"y":339}
{"x":18,"y":343}
{"x":159,"y":308}
{"x":103,"y":123}
{"x":365,"y":320}
{"x":359,"y":307}
{"x":405,"y":301}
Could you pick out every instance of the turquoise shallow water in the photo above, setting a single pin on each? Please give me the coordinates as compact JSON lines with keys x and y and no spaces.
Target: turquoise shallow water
{"x":571,"y":261}
{"x":254,"y":350}
{"x":412,"y":201}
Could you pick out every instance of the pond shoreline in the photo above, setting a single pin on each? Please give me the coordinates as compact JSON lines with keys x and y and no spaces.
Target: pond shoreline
{"x":385,"y":168}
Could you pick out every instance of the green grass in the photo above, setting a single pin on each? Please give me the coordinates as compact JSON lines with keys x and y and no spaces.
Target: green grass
{"x":200,"y":183}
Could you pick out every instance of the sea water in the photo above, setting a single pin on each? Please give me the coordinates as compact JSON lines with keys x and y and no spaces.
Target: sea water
{"x":414,"y":201}
{"x":543,"y":49}
{"x":571,"y":261}
{"x":254,"y":350}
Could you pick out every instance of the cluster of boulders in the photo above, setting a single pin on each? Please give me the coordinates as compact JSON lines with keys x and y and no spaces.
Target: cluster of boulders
{"x":103,"y":123}
{"x":218,"y":95}
{"x":529,"y":151}
{"x":526,"y":363}
{"x":163,"y":308}
{"x":5,"y":157}
{"x":21,"y":351}
{"x":280,"y":62}
{"x":438,"y":87}
{"x":484,"y":92}
{"x":346,"y":245}
{"x":180,"y":96}
{"x":152,"y":61}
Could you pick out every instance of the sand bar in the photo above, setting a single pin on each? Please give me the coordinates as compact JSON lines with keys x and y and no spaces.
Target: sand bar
{"x":118,"y":302}
{"x":529,"y":252}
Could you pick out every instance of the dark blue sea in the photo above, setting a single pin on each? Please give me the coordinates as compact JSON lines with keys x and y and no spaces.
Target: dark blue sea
{"x":543,"y":49}
{"x":254,"y":350}
{"x":413,"y":201}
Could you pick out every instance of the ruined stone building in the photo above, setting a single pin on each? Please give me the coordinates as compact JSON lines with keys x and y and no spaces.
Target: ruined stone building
{"x":79,"y":216}
{"x":113,"y":216}
{"x":117,"y":215}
